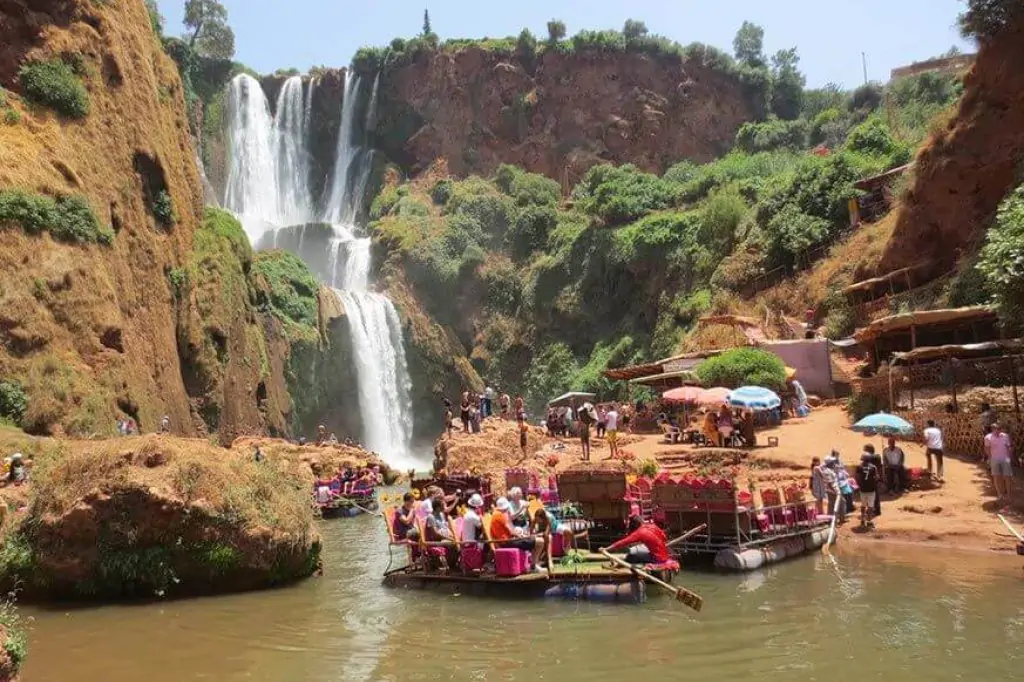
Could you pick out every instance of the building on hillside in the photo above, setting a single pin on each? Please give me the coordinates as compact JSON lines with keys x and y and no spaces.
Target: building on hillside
{"x":878,"y":196}
{"x":956,"y":64}
{"x":878,"y":294}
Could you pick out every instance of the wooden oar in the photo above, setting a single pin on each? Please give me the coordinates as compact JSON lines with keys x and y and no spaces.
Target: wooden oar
{"x":832,"y":527}
{"x":368,"y":511}
{"x":691,"y":599}
{"x":688,"y":534}
{"x":1010,"y":528}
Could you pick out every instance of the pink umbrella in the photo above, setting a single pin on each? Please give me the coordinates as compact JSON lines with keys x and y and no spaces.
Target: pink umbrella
{"x":695,"y":395}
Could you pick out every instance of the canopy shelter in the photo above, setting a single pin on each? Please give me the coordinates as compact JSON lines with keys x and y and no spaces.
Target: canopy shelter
{"x":667,"y":380}
{"x":909,"y":331}
{"x":572,"y":400}
{"x":992,"y":363}
{"x":883,"y":423}
{"x":694,"y":395}
{"x":754,"y":398}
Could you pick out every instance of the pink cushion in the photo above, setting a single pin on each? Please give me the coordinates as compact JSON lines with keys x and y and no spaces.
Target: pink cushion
{"x":510,"y":562}
{"x":763,"y":523}
{"x":471,"y":558}
{"x":557,"y":545}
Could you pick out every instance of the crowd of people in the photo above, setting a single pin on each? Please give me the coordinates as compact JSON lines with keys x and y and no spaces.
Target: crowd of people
{"x":510,"y":522}
{"x":346,"y":481}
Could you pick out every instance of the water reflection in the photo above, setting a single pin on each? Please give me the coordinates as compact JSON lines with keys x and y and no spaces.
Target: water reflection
{"x":859,"y":618}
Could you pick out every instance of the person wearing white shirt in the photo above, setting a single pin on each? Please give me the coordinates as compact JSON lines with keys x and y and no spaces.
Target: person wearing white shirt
{"x":933,"y":447}
{"x":612,"y":431}
{"x":472,"y":524}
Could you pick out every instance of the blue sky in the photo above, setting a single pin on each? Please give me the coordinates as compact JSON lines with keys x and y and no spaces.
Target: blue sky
{"x":830,"y":34}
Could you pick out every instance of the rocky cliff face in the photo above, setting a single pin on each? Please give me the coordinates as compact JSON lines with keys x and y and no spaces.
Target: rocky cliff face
{"x":478,"y":109}
{"x":163,"y":320}
{"x":968,"y":167}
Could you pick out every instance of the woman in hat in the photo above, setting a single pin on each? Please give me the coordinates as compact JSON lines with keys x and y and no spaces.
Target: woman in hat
{"x":472,"y":523}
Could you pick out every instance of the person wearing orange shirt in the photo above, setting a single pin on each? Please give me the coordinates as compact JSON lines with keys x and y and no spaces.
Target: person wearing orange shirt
{"x":507,"y":535}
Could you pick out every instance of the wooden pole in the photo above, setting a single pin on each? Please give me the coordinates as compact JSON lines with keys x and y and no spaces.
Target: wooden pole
{"x":892,"y":400}
{"x":688,"y":534}
{"x":913,"y":337}
{"x":952,"y":379}
{"x":1013,"y":381}
{"x":691,"y":599}
{"x":911,"y":382}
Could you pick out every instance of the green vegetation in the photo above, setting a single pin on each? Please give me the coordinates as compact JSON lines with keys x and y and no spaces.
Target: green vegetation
{"x":988,"y":19}
{"x":210,"y":35}
{"x":11,"y":116}
{"x":163,"y":210}
{"x":15,"y":643}
{"x":66,"y":218}
{"x":1002,"y":260}
{"x":53,"y":83}
{"x":13,"y":402}
{"x":290,"y":288}
{"x":743,"y":367}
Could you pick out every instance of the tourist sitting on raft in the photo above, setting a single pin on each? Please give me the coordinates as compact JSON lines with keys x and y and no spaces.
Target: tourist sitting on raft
{"x":518,"y":512}
{"x":545,"y":525}
{"x":647,"y":543}
{"x":506,"y":534}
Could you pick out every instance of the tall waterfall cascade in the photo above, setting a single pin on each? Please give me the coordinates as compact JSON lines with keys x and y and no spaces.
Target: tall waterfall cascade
{"x":269,"y":188}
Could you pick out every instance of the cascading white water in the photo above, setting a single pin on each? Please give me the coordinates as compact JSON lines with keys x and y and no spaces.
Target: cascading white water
{"x":269,"y":188}
{"x":269,"y":168}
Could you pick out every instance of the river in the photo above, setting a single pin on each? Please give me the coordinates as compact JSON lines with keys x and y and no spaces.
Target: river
{"x":860,"y":619}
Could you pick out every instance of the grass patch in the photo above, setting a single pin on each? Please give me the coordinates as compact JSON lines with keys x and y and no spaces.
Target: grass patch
{"x":54,"y":84}
{"x":15,"y":642}
{"x":287,"y":289}
{"x":67,"y":218}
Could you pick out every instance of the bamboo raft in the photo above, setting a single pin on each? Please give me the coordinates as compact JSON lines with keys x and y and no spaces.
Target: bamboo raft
{"x":592,"y":579}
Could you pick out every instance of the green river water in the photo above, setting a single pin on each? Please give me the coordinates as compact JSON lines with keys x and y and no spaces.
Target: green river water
{"x":860,"y":619}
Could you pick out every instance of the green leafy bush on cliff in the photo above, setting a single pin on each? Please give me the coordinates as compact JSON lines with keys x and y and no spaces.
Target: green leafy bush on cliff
{"x":621,"y":194}
{"x":292,"y":288}
{"x":54,"y":84}
{"x":743,"y":367}
{"x":13,"y":401}
{"x":1002,"y":260}
{"x":68,"y":218}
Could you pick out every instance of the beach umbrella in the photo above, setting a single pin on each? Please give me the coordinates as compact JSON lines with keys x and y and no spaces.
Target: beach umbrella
{"x":695,"y":395}
{"x":887,"y":424}
{"x":754,"y":398}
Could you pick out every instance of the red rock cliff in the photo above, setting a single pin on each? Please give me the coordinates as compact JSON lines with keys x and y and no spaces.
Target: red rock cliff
{"x":478,"y":109}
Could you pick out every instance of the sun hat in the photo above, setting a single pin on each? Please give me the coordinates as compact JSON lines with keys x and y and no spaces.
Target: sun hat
{"x":515,"y":491}
{"x":476,"y":501}
{"x":502,"y":504}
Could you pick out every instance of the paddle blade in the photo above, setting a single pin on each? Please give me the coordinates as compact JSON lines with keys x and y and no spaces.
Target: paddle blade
{"x":694,"y":601}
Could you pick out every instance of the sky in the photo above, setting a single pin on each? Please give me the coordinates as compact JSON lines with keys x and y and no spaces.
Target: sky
{"x":829,"y":34}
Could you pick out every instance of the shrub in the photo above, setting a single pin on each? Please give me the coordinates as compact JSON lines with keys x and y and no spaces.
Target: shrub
{"x":163,"y":209}
{"x":861,"y":405}
{"x":526,"y":48}
{"x":67,"y":218}
{"x":441,"y":192}
{"x":13,"y":401}
{"x":743,"y":367}
{"x":1001,"y":260}
{"x":551,"y":374}
{"x":840,"y":318}
{"x":867,"y":97}
{"x":291,"y":288}
{"x":530,"y":230}
{"x":54,"y":84}
{"x":988,"y":19}
{"x":772,"y":135}
{"x":622,"y":194}
{"x":12,"y":117}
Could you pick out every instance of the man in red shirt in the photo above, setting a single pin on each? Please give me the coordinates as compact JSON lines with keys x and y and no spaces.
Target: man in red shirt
{"x":653,"y":539}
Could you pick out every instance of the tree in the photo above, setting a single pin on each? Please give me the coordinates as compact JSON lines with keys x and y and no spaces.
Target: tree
{"x":788,"y":85}
{"x":1001,"y":260}
{"x":210,"y":34}
{"x":748,"y":45}
{"x":986,"y":20}
{"x":426,"y":23}
{"x":634,"y":29}
{"x":556,"y":31}
{"x":155,"y":18}
{"x":743,"y":367}
{"x":526,"y":48}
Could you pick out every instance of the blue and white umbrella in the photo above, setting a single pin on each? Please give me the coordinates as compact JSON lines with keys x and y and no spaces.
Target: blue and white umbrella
{"x":754,"y":398}
{"x":884,"y":423}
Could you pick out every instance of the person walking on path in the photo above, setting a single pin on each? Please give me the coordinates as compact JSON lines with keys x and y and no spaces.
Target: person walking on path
{"x":464,"y":411}
{"x":611,"y":422}
{"x":999,"y":451}
{"x":933,"y":448}
{"x":488,"y":403}
{"x":895,"y":467}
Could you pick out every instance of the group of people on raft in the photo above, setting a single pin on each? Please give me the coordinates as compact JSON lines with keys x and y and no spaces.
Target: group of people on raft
{"x":510,"y":523}
{"x":358,"y":482}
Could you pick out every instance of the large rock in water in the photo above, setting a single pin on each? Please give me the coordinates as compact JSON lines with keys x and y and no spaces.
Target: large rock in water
{"x":156,"y":516}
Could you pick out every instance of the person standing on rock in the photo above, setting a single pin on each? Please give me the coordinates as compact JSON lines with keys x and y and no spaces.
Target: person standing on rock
{"x":895,"y":467}
{"x":165,"y":424}
{"x":519,"y":407}
{"x":505,"y":401}
{"x":523,"y":429}
{"x":488,"y":403}
{"x":448,"y":417}
{"x":464,"y":411}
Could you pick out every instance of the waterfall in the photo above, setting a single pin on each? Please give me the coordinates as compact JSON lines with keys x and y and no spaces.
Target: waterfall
{"x":269,"y":188}
{"x":269,"y":162}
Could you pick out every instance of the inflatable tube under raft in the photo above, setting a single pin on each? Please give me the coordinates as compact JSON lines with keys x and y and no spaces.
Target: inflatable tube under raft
{"x":632,"y":592}
{"x":754,"y":558}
